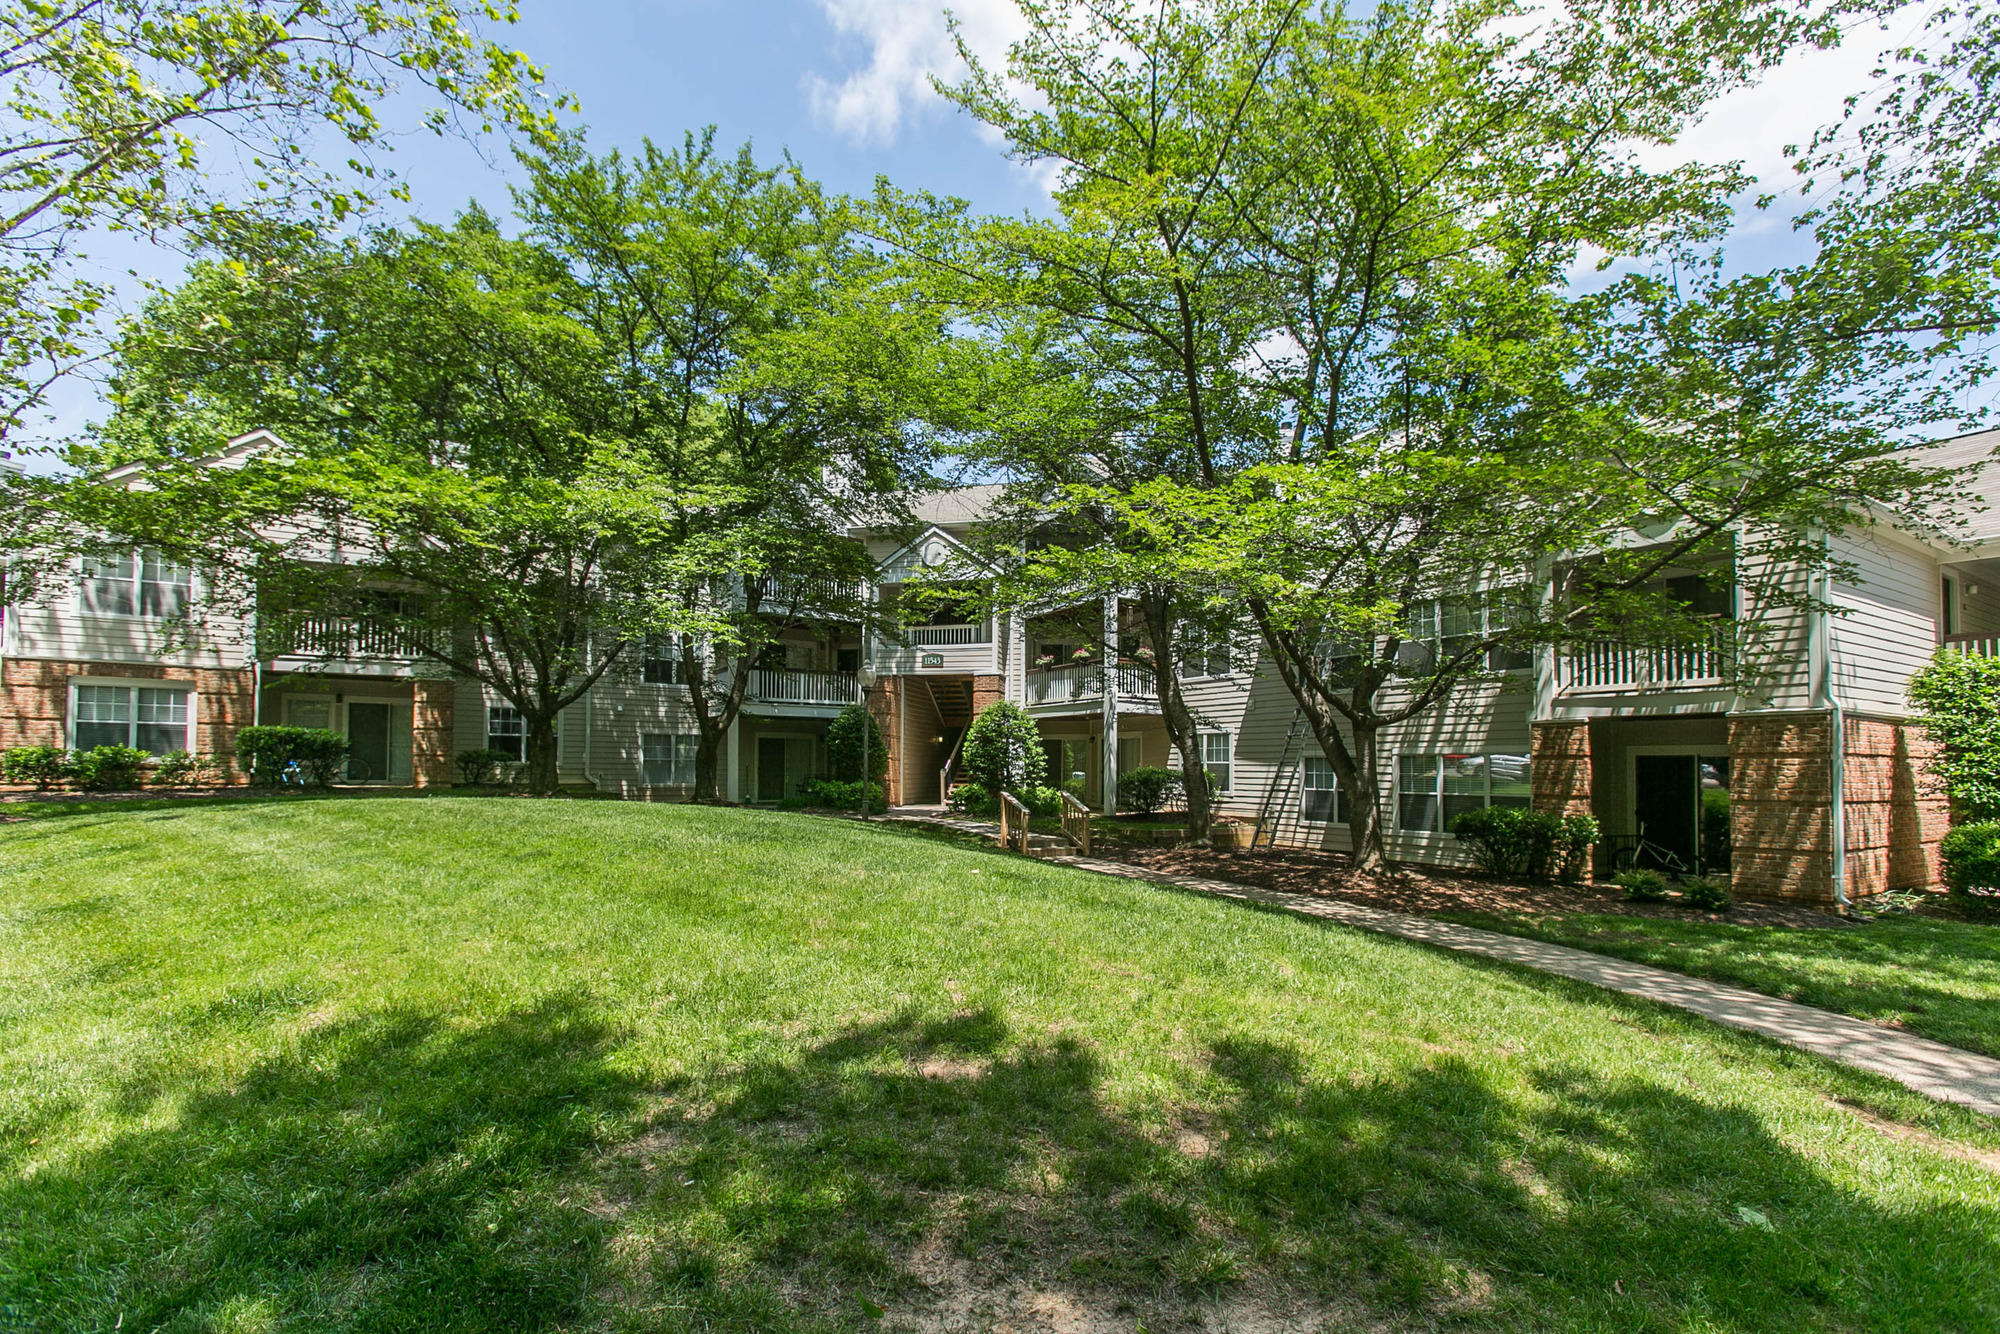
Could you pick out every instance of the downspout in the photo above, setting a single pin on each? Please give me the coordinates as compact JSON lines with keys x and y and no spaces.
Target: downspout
{"x":589,"y":715}
{"x":1829,"y":698}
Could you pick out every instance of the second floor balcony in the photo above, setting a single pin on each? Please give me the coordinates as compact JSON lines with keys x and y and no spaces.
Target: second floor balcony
{"x":1701,"y":664}
{"x":784,"y":685}
{"x":339,"y":639}
{"x":1084,"y":683}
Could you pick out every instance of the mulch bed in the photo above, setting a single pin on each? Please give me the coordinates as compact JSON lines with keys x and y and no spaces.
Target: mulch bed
{"x":1414,"y":890}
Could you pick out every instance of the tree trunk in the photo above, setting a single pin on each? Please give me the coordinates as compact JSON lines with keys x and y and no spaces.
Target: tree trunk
{"x":1364,"y":800}
{"x":541,"y":768}
{"x":708,"y":764}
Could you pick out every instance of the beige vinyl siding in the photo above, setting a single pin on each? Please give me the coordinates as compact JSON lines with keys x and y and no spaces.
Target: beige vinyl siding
{"x":55,"y":626}
{"x":1887,"y":629}
{"x":1774,"y":641}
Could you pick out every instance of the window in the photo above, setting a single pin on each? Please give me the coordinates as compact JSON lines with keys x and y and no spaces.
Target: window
{"x":660,"y":664}
{"x":667,"y":758}
{"x":1434,"y":790}
{"x":1438,"y":629}
{"x":1952,"y":617}
{"x":149,"y":718}
{"x":1205,"y":651}
{"x":1323,"y":800}
{"x":145,"y":584}
{"x":1215,"y":757}
{"x":507,"y":731}
{"x":847,"y":660}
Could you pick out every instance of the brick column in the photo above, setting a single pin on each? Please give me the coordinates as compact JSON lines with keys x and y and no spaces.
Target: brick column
{"x":986,"y":692}
{"x":228,"y":703}
{"x":1559,"y":766}
{"x":885,"y":704}
{"x":431,"y":733}
{"x":1896,"y":814}
{"x":1781,"y":806}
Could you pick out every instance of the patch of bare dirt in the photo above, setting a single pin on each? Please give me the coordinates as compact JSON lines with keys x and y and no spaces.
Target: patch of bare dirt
{"x":1988,"y":1159}
{"x":1412,"y":890}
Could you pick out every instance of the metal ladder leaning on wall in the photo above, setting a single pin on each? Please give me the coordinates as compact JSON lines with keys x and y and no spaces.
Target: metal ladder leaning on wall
{"x":1281,"y":795}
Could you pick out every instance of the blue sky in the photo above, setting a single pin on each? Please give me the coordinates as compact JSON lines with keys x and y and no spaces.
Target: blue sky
{"x":843,"y":85}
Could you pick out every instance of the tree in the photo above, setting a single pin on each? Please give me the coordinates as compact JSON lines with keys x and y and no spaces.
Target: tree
{"x":759,"y":356}
{"x":451,"y":470}
{"x":193,"y":119}
{"x":1002,"y":750}
{"x":1326,"y":262}
{"x":1958,"y":697}
{"x":851,"y":734}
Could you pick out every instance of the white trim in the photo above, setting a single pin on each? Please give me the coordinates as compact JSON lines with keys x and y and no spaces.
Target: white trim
{"x":133,"y":683}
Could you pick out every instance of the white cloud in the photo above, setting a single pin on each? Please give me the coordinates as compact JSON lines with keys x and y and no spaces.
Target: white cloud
{"x":905,"y":43}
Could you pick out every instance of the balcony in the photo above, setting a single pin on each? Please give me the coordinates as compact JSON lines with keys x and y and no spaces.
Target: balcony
{"x":1978,"y":646}
{"x":780,"y":685}
{"x":338,"y":639}
{"x":1611,"y":668}
{"x":1085,"y":681}
{"x":928,"y":636}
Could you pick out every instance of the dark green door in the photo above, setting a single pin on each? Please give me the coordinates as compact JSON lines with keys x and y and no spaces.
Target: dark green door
{"x":1664,"y":805}
{"x":368,"y":742}
{"x":770,"y":768}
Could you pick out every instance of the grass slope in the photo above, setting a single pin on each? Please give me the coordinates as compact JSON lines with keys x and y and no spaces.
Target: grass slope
{"x":1933,"y":976}
{"x":464,"y":1065}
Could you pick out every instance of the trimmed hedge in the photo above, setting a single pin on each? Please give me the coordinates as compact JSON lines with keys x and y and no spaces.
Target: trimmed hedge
{"x":1971,"y":856}
{"x":267,"y":752}
{"x":1517,"y":844}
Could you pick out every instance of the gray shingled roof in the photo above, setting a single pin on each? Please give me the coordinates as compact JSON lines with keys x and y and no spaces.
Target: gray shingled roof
{"x":1984,"y":484}
{"x":960,"y":504}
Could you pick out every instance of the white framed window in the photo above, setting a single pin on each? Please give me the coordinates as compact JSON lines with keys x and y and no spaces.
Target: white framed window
{"x":506,"y":731}
{"x":1434,"y":790}
{"x":660,"y":661}
{"x":1205,"y":652}
{"x":1322,"y":802}
{"x":1217,"y":752}
{"x":1438,"y":629}
{"x":141,"y":584}
{"x":667,"y":758}
{"x":155,"y":719}
{"x":1953,"y":617}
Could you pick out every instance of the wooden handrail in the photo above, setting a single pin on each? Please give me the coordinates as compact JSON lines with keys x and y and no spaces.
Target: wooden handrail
{"x":1013,"y":823}
{"x":1076,"y":822}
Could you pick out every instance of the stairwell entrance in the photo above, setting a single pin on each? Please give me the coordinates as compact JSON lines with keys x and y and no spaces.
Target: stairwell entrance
{"x":936,"y":710}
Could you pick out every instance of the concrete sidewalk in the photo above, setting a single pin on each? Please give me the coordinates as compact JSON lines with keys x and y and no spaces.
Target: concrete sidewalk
{"x":1931,"y":1068}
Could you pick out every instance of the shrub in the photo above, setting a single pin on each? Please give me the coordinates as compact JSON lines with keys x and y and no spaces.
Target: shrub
{"x":1971,"y":856}
{"x":1041,"y":799}
{"x":480,"y":766}
{"x":1642,"y":884}
{"x":1003,"y":749}
{"x":971,"y":799}
{"x":1701,"y":892}
{"x":1574,"y":842}
{"x":833,"y":795}
{"x":1958,"y":696}
{"x":1509,"y":841}
{"x":109,"y":768}
{"x":183,"y":768}
{"x":843,"y":745}
{"x":44,"y":766}
{"x":268,"y":751}
{"x":1148,"y":790}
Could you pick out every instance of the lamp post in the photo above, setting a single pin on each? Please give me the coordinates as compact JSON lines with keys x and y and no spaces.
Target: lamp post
{"x":865,"y":678}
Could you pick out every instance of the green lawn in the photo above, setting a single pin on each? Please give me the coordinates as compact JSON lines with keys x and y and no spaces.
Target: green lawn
{"x":1931,"y":975}
{"x":483,"y":1064}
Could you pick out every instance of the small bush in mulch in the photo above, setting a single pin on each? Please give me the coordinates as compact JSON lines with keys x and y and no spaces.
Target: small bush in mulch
{"x":1708,"y":895}
{"x":1643,"y":885}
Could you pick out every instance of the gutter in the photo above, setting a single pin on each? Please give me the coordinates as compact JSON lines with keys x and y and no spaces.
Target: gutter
{"x":1822,"y":666}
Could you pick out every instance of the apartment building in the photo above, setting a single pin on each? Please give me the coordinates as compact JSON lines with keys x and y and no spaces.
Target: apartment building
{"x":1782,"y":751}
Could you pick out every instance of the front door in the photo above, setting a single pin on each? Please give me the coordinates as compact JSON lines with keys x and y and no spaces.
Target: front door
{"x":770,"y":768}
{"x":368,"y":742}
{"x":1664,"y":805}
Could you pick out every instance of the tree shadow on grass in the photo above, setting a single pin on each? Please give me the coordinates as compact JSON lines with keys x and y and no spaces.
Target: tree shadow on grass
{"x":402,"y":1172}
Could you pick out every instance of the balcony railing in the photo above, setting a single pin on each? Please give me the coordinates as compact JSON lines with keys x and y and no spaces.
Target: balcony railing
{"x":344,"y":638}
{"x":935,"y":635}
{"x":1979,"y":646}
{"x":778,"y":685}
{"x":1085,"y":681}
{"x":1606,"y":666}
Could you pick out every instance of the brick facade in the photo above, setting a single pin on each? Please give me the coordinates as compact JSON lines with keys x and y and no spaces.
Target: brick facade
{"x":1780,"y":806}
{"x":430,"y":733}
{"x":1896,"y":813}
{"x":1559,"y":767}
{"x":34,"y":700}
{"x":885,"y":703}
{"x":986,"y":692}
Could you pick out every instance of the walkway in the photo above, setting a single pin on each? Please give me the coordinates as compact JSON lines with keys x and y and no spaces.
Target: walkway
{"x":1948,"y":1074}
